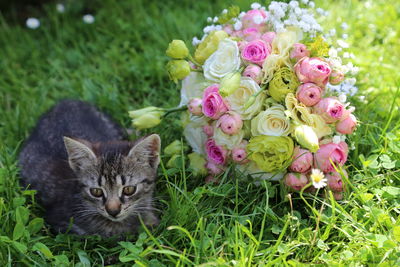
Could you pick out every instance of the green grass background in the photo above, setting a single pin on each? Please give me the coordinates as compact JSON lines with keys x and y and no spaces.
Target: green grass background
{"x":118,"y":63}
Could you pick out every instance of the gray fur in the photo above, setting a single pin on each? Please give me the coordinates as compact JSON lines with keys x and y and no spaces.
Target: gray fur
{"x":91,"y":155}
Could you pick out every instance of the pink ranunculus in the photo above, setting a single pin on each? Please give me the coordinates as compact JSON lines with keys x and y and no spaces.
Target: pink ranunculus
{"x":299,"y":51}
{"x":194,"y":106}
{"x":268,"y":37}
{"x":330,"y":109}
{"x":256,"y":51}
{"x":214,"y":168}
{"x":302,"y":160}
{"x":251,"y":34}
{"x":213,"y":103}
{"x":313,"y":70}
{"x":230,"y":123}
{"x":254,"y":19}
{"x":215,"y":153}
{"x":295,"y":181}
{"x":330,"y":152}
{"x":208,"y":130}
{"x":254,"y":72}
{"x":309,"y":94}
{"x":239,"y":155}
{"x":347,"y":125}
{"x":335,"y":182}
{"x":336,"y":77}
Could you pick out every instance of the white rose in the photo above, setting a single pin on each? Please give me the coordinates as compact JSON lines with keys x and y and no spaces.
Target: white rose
{"x":272,"y":121}
{"x":193,"y":86}
{"x":257,"y":174}
{"x":194,"y":134}
{"x":229,"y":141}
{"x":239,"y":98}
{"x":223,"y":61}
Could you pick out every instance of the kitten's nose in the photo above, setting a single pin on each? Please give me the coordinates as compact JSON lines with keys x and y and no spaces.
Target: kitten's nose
{"x":113,"y":207}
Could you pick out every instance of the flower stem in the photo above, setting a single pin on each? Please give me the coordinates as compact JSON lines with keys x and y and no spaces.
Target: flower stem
{"x":173,"y":110}
{"x":194,"y":61}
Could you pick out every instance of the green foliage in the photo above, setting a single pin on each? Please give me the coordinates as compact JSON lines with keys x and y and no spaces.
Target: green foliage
{"x":118,"y":63}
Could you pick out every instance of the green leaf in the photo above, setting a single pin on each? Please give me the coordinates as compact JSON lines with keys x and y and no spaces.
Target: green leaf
{"x":43,"y":249}
{"x":396,"y":233}
{"x":18,"y":201}
{"x":83,"y":257}
{"x":61,"y":260}
{"x":20,"y":247}
{"x":35,"y":225}
{"x":22,"y":215}
{"x":19,"y":230}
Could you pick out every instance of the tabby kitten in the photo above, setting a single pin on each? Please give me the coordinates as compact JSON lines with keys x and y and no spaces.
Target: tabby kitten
{"x":88,"y":180}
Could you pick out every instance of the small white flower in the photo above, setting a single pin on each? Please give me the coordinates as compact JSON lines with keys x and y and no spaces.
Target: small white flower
{"x":32,"y":23}
{"x":345,"y":36}
{"x":225,"y":11}
{"x":304,"y":1}
{"x":237,"y":26}
{"x":215,"y":19}
{"x":342,"y":98}
{"x":311,"y":4}
{"x":242,"y":14}
{"x":320,"y":11}
{"x":195,"y":41}
{"x":332,"y":32}
{"x":318,"y":178}
{"x":60,"y":8}
{"x":258,"y":19}
{"x":336,"y":139}
{"x":255,"y":6}
{"x":88,"y":19}
{"x":346,"y":55}
{"x":362,"y":98}
{"x":332,"y":52}
{"x":209,"y":19}
{"x":344,"y":26}
{"x":343,"y":44}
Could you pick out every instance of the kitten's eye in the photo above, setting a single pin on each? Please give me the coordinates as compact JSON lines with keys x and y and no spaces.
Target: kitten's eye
{"x":96,"y":192}
{"x":129,"y":190}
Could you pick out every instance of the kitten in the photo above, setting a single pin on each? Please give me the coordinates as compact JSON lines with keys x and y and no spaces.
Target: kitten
{"x":88,"y":180}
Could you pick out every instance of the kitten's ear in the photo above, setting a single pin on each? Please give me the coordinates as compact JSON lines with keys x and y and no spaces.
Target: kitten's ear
{"x":147,"y":149}
{"x":80,"y":154}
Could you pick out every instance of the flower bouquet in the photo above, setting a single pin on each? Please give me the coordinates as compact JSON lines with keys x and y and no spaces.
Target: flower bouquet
{"x":264,"y":90}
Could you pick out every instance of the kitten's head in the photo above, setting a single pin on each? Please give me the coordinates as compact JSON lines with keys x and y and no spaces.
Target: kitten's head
{"x":117,"y":179}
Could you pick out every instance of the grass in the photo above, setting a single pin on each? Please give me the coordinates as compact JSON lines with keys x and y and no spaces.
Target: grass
{"x":118,"y":64}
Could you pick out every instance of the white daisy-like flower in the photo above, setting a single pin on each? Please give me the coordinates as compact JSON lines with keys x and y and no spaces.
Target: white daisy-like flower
{"x":88,"y":19}
{"x":60,"y":8}
{"x":318,"y":178}
{"x":32,"y":23}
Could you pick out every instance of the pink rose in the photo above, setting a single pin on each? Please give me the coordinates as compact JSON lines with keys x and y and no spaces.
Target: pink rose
{"x":213,"y":103}
{"x":330,"y":109}
{"x":313,"y":70}
{"x":230,"y":123}
{"x":239,"y":154}
{"x":302,"y":160}
{"x":335,"y":152}
{"x":254,"y":72}
{"x":268,"y":37}
{"x":216,"y":154}
{"x":214,"y":168}
{"x":256,"y":51}
{"x":208,"y":130}
{"x":347,"y":125}
{"x":194,"y":106}
{"x":251,"y":34}
{"x":299,"y":51}
{"x":254,"y":19}
{"x":335,"y":182}
{"x":295,"y":181}
{"x":309,"y":94}
{"x":336,"y":77}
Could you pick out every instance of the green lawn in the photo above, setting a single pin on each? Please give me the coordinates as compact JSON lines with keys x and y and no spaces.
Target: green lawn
{"x":118,"y":63}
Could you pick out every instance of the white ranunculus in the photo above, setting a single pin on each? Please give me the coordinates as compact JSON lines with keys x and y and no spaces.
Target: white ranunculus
{"x":272,"y":121}
{"x":240,"y":96}
{"x":223,"y":61}
{"x":193,"y":87}
{"x":258,"y":175}
{"x":229,"y":141}
{"x":194,"y":134}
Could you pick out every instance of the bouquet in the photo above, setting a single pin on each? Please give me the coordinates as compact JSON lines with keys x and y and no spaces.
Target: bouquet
{"x":265,"y":91}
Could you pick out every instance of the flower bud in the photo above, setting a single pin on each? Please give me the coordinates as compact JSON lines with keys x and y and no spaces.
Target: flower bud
{"x":309,"y":94}
{"x":197,"y":164}
{"x":230,"y":123}
{"x":229,"y":84}
{"x":335,"y":181}
{"x":194,"y":106}
{"x":146,"y":121}
{"x":295,"y":181}
{"x":239,"y":155}
{"x":302,"y":160}
{"x":254,"y":72}
{"x":175,"y":161}
{"x":299,"y":51}
{"x":174,"y":148}
{"x":177,"y":49}
{"x":306,"y":137}
{"x":134,"y":114}
{"x":208,"y":130}
{"x":336,"y":77}
{"x":347,"y":125}
{"x":178,"y":69}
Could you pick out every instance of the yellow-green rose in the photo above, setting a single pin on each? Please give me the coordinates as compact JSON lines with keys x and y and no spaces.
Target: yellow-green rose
{"x":177,"y":49}
{"x":284,"y":81}
{"x":298,"y":111}
{"x":270,"y":153}
{"x":209,"y":45}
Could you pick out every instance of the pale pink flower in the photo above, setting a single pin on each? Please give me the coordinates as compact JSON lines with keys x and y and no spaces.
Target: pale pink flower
{"x":213,"y":103}
{"x":230,"y":123}
{"x":309,"y":94}
{"x":347,"y":125}
{"x":302,"y":160}
{"x":215,"y":153}
{"x":330,"y":109}
{"x":335,"y":181}
{"x":268,"y":37}
{"x":313,"y":70}
{"x":336,"y":77}
{"x":208,"y":130}
{"x":337,"y":153}
{"x":194,"y":106}
{"x":256,"y":51}
{"x":254,"y":72}
{"x":295,"y":181}
{"x":299,"y":51}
